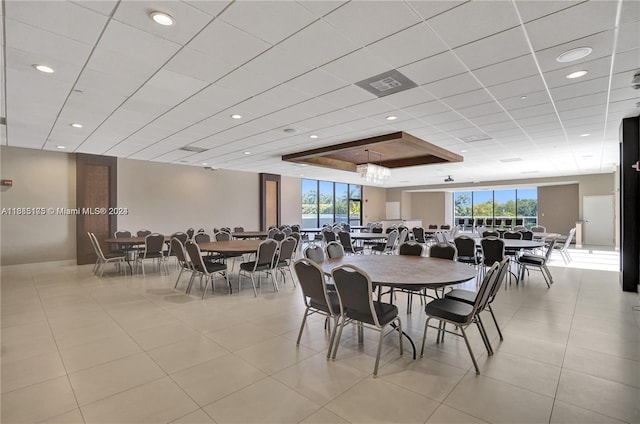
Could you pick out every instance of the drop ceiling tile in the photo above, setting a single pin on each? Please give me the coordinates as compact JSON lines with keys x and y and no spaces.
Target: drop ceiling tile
{"x":509,"y":70}
{"x":356,"y":66}
{"x":582,"y":101}
{"x":198,"y":65}
{"x":628,"y":36}
{"x":317,"y":44}
{"x":407,"y":98}
{"x":597,"y":68}
{"x":382,"y":19}
{"x":601,"y":44}
{"x":64,"y":19}
{"x":412,"y":44}
{"x":461,"y":83}
{"x":104,"y":7}
{"x":321,"y":7}
{"x":524,"y":86}
{"x":441,"y":118}
{"x":246,"y":83}
{"x":482,"y":19}
{"x":627,"y":62}
{"x":212,"y":8}
{"x":429,"y":9}
{"x":562,"y":26}
{"x":188,"y":20}
{"x":542,"y":109}
{"x":214,"y":99}
{"x":427,"y":109}
{"x":271,"y":21}
{"x":496,"y":48}
{"x":169,"y":88}
{"x":433,"y":69}
{"x":596,"y":85}
{"x":347,"y":96}
{"x":276,"y":65}
{"x":243,"y":48}
{"x":471,"y":98}
{"x":316,"y":82}
{"x":531,"y":99}
{"x":627,"y":93}
{"x":291,"y":115}
{"x":492,"y":118}
{"x":482,"y":110}
{"x":534,"y":9}
{"x":136,"y":44}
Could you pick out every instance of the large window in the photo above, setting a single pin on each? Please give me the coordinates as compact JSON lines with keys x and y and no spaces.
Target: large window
{"x":496,"y":208}
{"x":325,"y":202}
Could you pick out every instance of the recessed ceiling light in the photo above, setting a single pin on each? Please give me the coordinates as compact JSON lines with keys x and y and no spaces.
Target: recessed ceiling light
{"x":205,"y":163}
{"x":313,"y":136}
{"x":236,"y":116}
{"x":585,"y":135}
{"x":463,"y":151}
{"x":391,"y":118}
{"x":60,"y":147}
{"x":523,"y":97}
{"x":574,"y":54}
{"x":290,"y":130}
{"x":246,"y":153}
{"x":44,"y":68}
{"x":162,"y":18}
{"x":577,"y":74}
{"x":76,"y":125}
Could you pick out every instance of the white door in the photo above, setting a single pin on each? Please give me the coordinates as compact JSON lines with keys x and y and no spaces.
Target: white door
{"x":598,"y":214}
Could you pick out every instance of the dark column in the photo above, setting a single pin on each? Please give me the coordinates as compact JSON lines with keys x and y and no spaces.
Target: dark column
{"x":629,"y":204}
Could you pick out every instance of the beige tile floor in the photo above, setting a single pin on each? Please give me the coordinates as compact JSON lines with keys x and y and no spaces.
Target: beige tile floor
{"x":77,"y":348}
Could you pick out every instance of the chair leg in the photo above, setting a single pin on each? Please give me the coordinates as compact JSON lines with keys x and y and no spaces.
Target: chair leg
{"x":495,"y":321}
{"x":332,"y":336}
{"x":544,"y":267}
{"x":473,"y":358}
{"x":253,"y":282}
{"x":424,"y":336}
{"x":336,"y":343}
{"x":178,"y":279}
{"x":484,"y":336}
{"x":375,"y":367}
{"x":304,"y":321}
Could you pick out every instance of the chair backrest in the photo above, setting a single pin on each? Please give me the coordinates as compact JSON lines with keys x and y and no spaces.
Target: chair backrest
{"x":443,"y":251}
{"x":466,"y":246}
{"x":328,"y":235}
{"x":520,"y":228}
{"x":202,"y":238}
{"x":454,"y":232}
{"x":96,"y":246}
{"x":492,"y":250}
{"x":287,"y":231}
{"x":485,"y":290}
{"x":418,"y":234}
{"x":311,"y":279}
{"x":183,"y":237}
{"x":445,"y":227}
{"x":238,"y":229}
{"x":222,"y":236}
{"x":143,"y":233}
{"x":121,"y":234}
{"x":266,"y":253}
{"x":190,"y":232}
{"x":490,"y":233}
{"x":376,"y":230}
{"x":153,"y":243}
{"x":527,"y":235}
{"x":440,"y":237}
{"x":503,"y":269}
{"x":552,"y":243}
{"x":227,"y":229}
{"x":345,"y":240}
{"x":433,"y":227}
{"x":314,"y":253}
{"x":279,"y":236}
{"x":391,"y":240}
{"x":539,"y":229}
{"x":287,"y":248}
{"x":295,"y":228}
{"x":346,"y":227}
{"x":355,"y":293}
{"x":196,"y":257}
{"x":403,"y":235}
{"x":272,"y":231}
{"x":334,"y":250}
{"x":567,"y":242}
{"x":177,"y":247}
{"x":411,"y":249}
{"x":512,"y":235}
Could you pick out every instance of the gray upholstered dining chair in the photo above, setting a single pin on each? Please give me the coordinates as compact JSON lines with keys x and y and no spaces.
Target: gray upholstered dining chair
{"x":205,"y":269}
{"x":357,"y":306}
{"x":265,"y":262}
{"x":153,"y":247}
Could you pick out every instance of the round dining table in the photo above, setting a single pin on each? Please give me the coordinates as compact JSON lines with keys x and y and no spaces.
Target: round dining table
{"x":517,"y":244}
{"x":250,"y":234}
{"x":231,"y":246}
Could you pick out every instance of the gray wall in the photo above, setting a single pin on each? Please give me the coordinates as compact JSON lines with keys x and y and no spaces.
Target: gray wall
{"x":558,"y":207}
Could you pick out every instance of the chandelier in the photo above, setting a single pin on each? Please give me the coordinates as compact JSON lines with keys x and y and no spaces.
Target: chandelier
{"x":372,"y":173}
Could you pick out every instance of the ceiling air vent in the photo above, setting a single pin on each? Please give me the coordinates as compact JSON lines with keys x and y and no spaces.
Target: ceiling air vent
{"x":475,"y":137}
{"x":387,"y":83}
{"x":192,"y":149}
{"x":510,"y":160}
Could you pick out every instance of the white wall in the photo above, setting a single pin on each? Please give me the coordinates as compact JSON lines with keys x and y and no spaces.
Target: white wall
{"x":41,"y":179}
{"x":291,"y":200}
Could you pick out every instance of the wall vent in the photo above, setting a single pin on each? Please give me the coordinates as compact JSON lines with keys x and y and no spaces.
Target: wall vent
{"x":474,"y":138}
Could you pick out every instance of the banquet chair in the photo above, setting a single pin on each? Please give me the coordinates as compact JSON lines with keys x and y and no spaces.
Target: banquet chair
{"x":411,"y":249}
{"x":460,"y":314}
{"x":328,"y":236}
{"x":317,"y":298}
{"x":279,"y":236}
{"x":355,"y":293}
{"x":469,"y":297}
{"x":539,"y":229}
{"x":238,"y":229}
{"x":102,"y":260}
{"x":490,"y":233}
{"x":492,"y":251}
{"x":538,"y":261}
{"x":153,"y":247}
{"x":190,"y":232}
{"x":387,"y":247}
{"x":564,"y":247}
{"x":143,"y":233}
{"x":178,"y":249}
{"x":266,"y":260}
{"x":286,"y":252}
{"x":271,"y":232}
{"x":129,"y":250}
{"x":334,"y":250}
{"x":314,"y":253}
{"x":205,"y":269}
{"x":347,"y":243}
{"x":225,"y":236}
{"x":295,"y":228}
{"x":443,"y":251}
{"x":418,"y":234}
{"x":467,"y":251}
